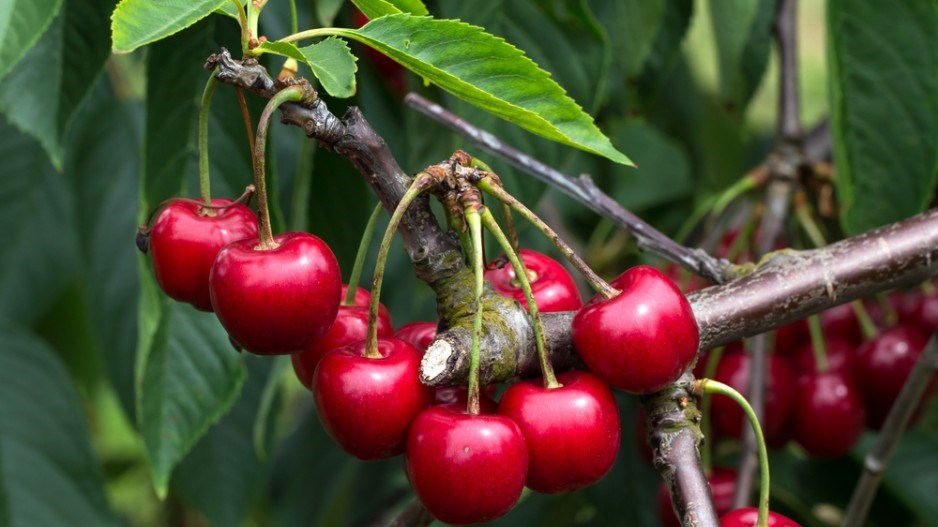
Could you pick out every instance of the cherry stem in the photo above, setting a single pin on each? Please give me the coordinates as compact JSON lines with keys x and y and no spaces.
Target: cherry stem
{"x":475,"y":232}
{"x":359,"y":264}
{"x":421,"y":182}
{"x":290,"y":94}
{"x":710,"y":369}
{"x":521,"y":273}
{"x":716,"y":204}
{"x":818,"y":344}
{"x":806,"y":220}
{"x":600,"y":285}
{"x":928,"y":288}
{"x":867,"y":326}
{"x":294,"y":25}
{"x":205,"y":181}
{"x":247,"y":117}
{"x":703,"y":386}
{"x":506,"y":209}
{"x":243,"y":22}
{"x":457,"y":225}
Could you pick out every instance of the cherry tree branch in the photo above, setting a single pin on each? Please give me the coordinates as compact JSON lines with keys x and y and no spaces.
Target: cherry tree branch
{"x":585,"y":191}
{"x":413,"y":515}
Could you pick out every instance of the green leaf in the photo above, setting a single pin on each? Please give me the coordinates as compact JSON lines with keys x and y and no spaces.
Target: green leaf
{"x":49,"y":474}
{"x":884,"y":102}
{"x":912,"y":476}
{"x":208,"y":478}
{"x":228,"y":8}
{"x":662,"y":161}
{"x":331,"y":61}
{"x":187,"y":379}
{"x":326,"y":11}
{"x":632,"y":26}
{"x":488,"y":72}
{"x":41,"y":100}
{"x":743,"y":40}
{"x":136,"y":23}
{"x":39,"y":249}
{"x":21,"y":23}
{"x":378,"y":8}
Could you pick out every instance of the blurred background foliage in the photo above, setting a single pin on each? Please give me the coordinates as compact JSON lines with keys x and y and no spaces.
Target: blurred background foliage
{"x":106,"y":386}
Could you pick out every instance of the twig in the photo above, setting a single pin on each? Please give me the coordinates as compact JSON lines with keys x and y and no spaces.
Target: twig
{"x":879,"y":456}
{"x":785,"y":28}
{"x":586,"y":192}
{"x":413,"y":515}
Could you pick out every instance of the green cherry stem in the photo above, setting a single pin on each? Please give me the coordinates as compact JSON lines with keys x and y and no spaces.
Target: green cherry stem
{"x":243,"y":22}
{"x":703,"y":386}
{"x":457,"y":225}
{"x":817,"y":342}
{"x":475,"y":232}
{"x":421,"y":182}
{"x":290,"y":94}
{"x":706,"y":400}
{"x":359,"y":264}
{"x":867,"y":326}
{"x":521,"y":272}
{"x":600,"y":285}
{"x":205,"y":181}
{"x":294,"y":25}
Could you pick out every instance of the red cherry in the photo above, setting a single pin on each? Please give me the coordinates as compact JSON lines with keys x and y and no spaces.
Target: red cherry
{"x":276,"y":301}
{"x":640,"y":340}
{"x":747,"y":518}
{"x":840,"y":357}
{"x":572,"y":432}
{"x":351,"y":325}
{"x":722,"y":483}
{"x":883,"y":365}
{"x":733,"y":370}
{"x":551,"y":284}
{"x":790,"y":337}
{"x":420,"y":334}
{"x":466,"y":468}
{"x":367,"y":405}
{"x":687,"y":282}
{"x":363,"y":299}
{"x":184,"y":244}
{"x":459,"y":396}
{"x":920,"y":311}
{"x":829,"y":415}
{"x":841,"y":321}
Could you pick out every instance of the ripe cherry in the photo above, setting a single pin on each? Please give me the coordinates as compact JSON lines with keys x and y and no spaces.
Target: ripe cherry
{"x":747,"y":518}
{"x":279,"y":300}
{"x":883,"y":365}
{"x":840,"y":353}
{"x":841,"y":321}
{"x":920,"y":311}
{"x":185,"y":240}
{"x":572,"y":432}
{"x":551,"y":284}
{"x":640,"y":340}
{"x":419,"y":334}
{"x":722,"y":483}
{"x":466,"y":468}
{"x":351,"y":325}
{"x":733,"y":370}
{"x":829,"y":415}
{"x":368,"y":404}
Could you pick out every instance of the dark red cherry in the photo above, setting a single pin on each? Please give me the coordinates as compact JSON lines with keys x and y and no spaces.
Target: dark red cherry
{"x":883,"y":365}
{"x":185,"y":240}
{"x":840,"y":356}
{"x":733,"y":370}
{"x":280,"y":300}
{"x":722,"y":486}
{"x":747,"y":518}
{"x":841,"y":321}
{"x":368,"y":404}
{"x":363,"y":298}
{"x":790,"y":337}
{"x":572,"y":432}
{"x":829,"y":415}
{"x":420,"y":334}
{"x":640,"y":340}
{"x":466,"y":468}
{"x":920,"y":311}
{"x":551,"y":284}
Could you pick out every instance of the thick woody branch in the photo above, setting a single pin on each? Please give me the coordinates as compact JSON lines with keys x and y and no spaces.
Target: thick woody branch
{"x":413,"y":515}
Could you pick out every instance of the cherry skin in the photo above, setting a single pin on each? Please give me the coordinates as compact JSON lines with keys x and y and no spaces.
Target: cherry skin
{"x":419,"y":334}
{"x":351,"y":325}
{"x":883,"y":365}
{"x":829,"y":415}
{"x":466,"y":468}
{"x":640,"y":340}
{"x":551,"y":284}
{"x":790,"y":337}
{"x":841,"y":321}
{"x":840,"y":353}
{"x":572,"y":432}
{"x":184,"y":242}
{"x":363,"y":298}
{"x":747,"y":518}
{"x":280,"y":300}
{"x":722,"y":483}
{"x":733,"y":370}
{"x":920,"y":311}
{"x":367,"y":405}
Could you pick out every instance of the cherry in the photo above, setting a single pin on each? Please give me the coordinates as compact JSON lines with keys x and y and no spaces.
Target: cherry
{"x":747,"y":518}
{"x":572,"y":432}
{"x":841,"y":321}
{"x":722,"y":483}
{"x":789,"y":337}
{"x":351,"y":325}
{"x":363,"y":298}
{"x":551,"y":284}
{"x":840,"y":355}
{"x":920,"y":311}
{"x":185,"y":240}
{"x":466,"y":468}
{"x":829,"y":415}
{"x":279,"y":300}
{"x":883,"y":365}
{"x":643,"y":338}
{"x":733,"y":370}
{"x":368,"y":404}
{"x":419,"y":334}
